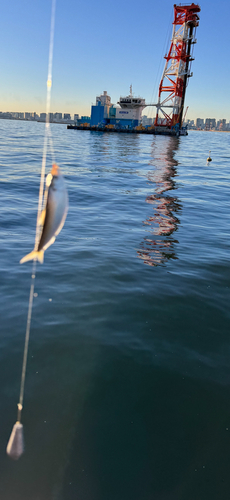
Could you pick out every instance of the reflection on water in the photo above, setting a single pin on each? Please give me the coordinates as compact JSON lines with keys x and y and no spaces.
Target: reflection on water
{"x":162,"y":223}
{"x":115,"y":146}
{"x":99,"y":145}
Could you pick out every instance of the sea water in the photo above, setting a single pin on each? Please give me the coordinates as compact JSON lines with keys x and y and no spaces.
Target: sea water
{"x":127,"y":393}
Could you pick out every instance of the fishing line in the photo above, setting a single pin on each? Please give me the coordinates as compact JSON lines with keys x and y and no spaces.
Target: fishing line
{"x":25,"y":354}
{"x":47,"y":127}
{"x":15,"y":446}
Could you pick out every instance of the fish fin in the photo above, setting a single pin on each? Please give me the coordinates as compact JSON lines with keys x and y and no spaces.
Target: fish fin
{"x":50,"y":242}
{"x":40,"y":256}
{"x":42,"y":217}
{"x":33,"y":256}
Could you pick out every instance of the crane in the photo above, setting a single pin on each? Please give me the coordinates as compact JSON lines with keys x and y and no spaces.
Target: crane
{"x":176,"y":72}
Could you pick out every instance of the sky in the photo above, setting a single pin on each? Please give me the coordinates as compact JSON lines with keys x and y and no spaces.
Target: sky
{"x":107,"y":45}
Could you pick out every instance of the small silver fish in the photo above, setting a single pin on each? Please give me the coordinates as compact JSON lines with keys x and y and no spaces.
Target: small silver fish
{"x":53,"y":216}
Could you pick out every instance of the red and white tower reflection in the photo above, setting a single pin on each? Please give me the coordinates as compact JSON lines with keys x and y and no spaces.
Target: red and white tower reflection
{"x":163,"y":222}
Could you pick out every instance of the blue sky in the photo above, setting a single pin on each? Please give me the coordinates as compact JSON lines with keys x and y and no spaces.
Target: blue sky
{"x":107,"y":45}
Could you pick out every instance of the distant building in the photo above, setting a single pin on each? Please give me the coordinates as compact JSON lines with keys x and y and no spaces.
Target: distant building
{"x":6,"y":115}
{"x":21,"y":116}
{"x":76,"y":117}
{"x":146,"y":121}
{"x":43,"y":117}
{"x":190,"y":124}
{"x":200,"y":123}
{"x":67,"y":116}
{"x":210,"y":123}
{"x":222,"y":124}
{"x":27,"y":116}
{"x":57,"y":116}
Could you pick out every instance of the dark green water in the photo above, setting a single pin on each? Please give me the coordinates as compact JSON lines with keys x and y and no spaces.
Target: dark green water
{"x":127,"y":393}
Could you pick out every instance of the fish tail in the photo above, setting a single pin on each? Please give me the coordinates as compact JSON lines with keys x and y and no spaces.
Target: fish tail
{"x":34,"y":255}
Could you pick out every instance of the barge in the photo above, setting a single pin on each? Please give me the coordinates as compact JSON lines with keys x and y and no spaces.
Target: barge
{"x":136,"y":130}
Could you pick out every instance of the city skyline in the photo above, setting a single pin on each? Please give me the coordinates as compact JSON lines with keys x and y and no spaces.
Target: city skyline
{"x":13,"y":112}
{"x":105,"y":47}
{"x":198,"y":124}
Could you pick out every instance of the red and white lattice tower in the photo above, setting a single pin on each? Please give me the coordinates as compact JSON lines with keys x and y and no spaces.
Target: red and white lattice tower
{"x":177,"y":67}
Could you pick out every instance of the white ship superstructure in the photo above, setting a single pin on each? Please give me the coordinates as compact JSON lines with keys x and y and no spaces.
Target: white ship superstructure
{"x":130,"y":107}
{"x":127,"y":114}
